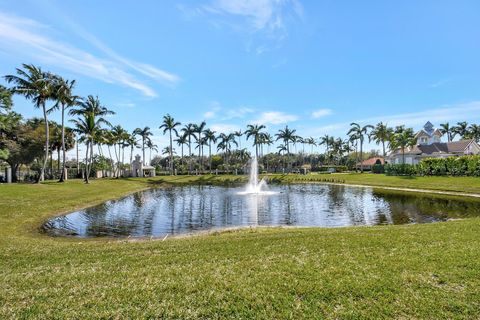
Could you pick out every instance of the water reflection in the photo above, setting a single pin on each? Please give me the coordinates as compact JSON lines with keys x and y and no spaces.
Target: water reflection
{"x":177,"y":210}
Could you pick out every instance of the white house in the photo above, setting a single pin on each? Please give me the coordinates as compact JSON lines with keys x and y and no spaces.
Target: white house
{"x":429,"y":145}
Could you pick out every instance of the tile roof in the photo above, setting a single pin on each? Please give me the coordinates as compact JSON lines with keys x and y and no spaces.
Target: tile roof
{"x":438,"y":147}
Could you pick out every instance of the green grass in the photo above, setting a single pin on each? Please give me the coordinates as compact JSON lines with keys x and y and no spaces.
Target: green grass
{"x":410,"y":271}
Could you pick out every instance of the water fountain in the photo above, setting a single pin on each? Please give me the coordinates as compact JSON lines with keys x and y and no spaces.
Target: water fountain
{"x":254,"y":186}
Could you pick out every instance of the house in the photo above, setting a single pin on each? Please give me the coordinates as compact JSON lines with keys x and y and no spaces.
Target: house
{"x":369,"y":163}
{"x":429,"y":145}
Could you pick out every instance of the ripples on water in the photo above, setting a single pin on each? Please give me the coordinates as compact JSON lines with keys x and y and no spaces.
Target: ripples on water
{"x":186,"y":209}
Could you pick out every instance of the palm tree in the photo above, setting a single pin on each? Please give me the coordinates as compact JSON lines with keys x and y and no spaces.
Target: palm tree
{"x":239,"y":134}
{"x":35,"y":84}
{"x":91,"y":117}
{"x":360,"y":132}
{"x":287,"y":136}
{"x":225,"y":144}
{"x":181,"y":141}
{"x":461,"y":129}
{"x":63,"y":93}
{"x":311,"y":142}
{"x":403,"y":139}
{"x":189,"y":132}
{"x":198,"y":129}
{"x":449,"y":131}
{"x":474,"y":132}
{"x":120,"y":135}
{"x":381,"y":134}
{"x":210,"y":138}
{"x":254,"y":130}
{"x":132,"y":143}
{"x":325,"y":140}
{"x":145,"y":134}
{"x":170,"y":125}
{"x":151,"y":146}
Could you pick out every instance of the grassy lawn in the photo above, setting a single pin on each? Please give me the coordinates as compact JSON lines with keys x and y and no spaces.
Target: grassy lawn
{"x":410,"y":271}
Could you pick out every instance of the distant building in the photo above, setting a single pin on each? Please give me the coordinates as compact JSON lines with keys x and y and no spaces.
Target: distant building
{"x":369,"y":163}
{"x":429,"y":145}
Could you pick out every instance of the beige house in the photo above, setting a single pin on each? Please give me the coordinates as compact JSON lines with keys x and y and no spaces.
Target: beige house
{"x":429,"y":145}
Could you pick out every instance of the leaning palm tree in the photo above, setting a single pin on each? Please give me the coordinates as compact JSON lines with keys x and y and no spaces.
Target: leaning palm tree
{"x":210,"y":138}
{"x":35,"y":84}
{"x":145,"y":134}
{"x":255,"y":130}
{"x":381,"y":134}
{"x":449,"y":131}
{"x":360,"y":132}
{"x":63,"y":93}
{"x":169,"y":124}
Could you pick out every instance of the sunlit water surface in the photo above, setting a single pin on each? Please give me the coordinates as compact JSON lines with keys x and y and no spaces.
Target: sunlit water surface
{"x":189,"y":209}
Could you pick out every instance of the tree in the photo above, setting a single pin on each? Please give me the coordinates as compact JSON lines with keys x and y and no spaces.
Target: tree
{"x":198,"y":129}
{"x":474,"y":132}
{"x":145,"y":134}
{"x":169,"y":124}
{"x":210,"y":138}
{"x":327,"y":141}
{"x":255,"y":130}
{"x":225,"y":144}
{"x":189,"y":132}
{"x":91,"y":115}
{"x":402,"y":139}
{"x":239,"y":135}
{"x":461,"y":129}
{"x":63,"y":94}
{"x":446,"y":129}
{"x":381,"y":134}
{"x":181,"y":141}
{"x":6,"y":102}
{"x":35,"y":84}
{"x":287,"y":136}
{"x":152,"y":147}
{"x":360,"y":132}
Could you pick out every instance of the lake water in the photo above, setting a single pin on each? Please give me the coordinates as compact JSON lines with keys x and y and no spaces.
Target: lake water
{"x":188,"y":209}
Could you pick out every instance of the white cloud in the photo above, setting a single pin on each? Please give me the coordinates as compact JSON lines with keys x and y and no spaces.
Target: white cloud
{"x":448,"y":113}
{"x":321,"y":113}
{"x":209,"y":114}
{"x":224,"y":128}
{"x":26,"y":37}
{"x":275,"y":117}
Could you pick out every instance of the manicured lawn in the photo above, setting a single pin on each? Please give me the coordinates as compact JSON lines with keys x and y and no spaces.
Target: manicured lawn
{"x":410,"y":271}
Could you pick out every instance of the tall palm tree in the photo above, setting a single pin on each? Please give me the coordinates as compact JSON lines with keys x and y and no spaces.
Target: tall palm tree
{"x":325,"y":140}
{"x":151,"y":146}
{"x":239,"y":135}
{"x":189,"y":132}
{"x":63,"y":94}
{"x":360,"y":132}
{"x":35,"y":84}
{"x":225,"y":144}
{"x":91,"y":117}
{"x":181,"y":141}
{"x":198,"y":129}
{"x":255,"y":130}
{"x":449,"y":131}
{"x":403,"y":139}
{"x":287,"y":136}
{"x":145,"y":134}
{"x":132,"y":143}
{"x":461,"y":129}
{"x":169,"y":124}
{"x":210,"y":138}
{"x":311,"y":142}
{"x":381,"y":134}
{"x":120,"y":135}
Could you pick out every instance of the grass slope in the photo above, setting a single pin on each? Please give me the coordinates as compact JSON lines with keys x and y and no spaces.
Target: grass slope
{"x":410,"y":271}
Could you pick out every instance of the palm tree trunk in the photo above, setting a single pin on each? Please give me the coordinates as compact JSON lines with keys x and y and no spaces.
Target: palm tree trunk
{"x":62,"y":174}
{"x":210,"y":157}
{"x":189,"y":155}
{"x":171,"y":153}
{"x":78,"y":159}
{"x":47,"y":137}
{"x":143,"y":150}
{"x":86,"y":164}
{"x":384,"y":153}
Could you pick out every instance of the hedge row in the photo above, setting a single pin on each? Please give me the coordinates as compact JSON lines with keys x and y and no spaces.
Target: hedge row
{"x":451,"y":166}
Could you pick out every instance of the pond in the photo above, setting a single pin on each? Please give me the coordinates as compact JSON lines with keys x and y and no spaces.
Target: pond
{"x":189,"y":209}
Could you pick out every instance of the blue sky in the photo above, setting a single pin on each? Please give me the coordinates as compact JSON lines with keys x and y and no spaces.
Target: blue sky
{"x":314,"y":65}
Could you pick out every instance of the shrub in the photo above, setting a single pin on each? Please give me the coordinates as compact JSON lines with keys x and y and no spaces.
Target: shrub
{"x":378,"y":168}
{"x":453,"y":166}
{"x":400,"y":169}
